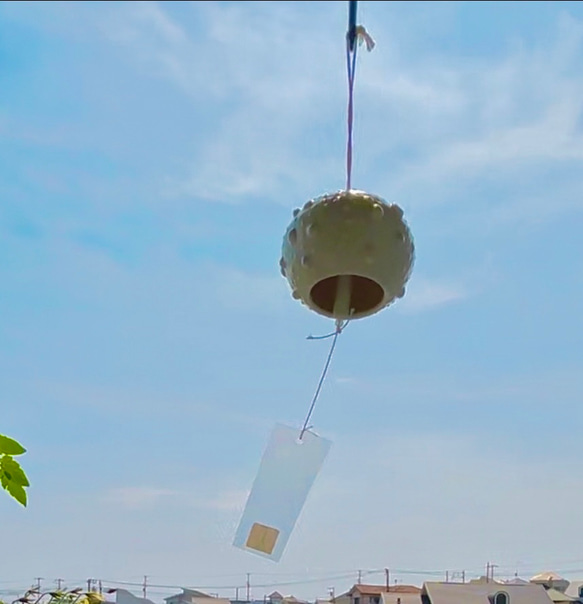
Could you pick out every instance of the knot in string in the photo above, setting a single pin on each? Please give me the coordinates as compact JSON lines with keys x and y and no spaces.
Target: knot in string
{"x":363,"y":36}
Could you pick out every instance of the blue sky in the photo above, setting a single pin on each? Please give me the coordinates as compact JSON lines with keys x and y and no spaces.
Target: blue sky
{"x":151,"y":155}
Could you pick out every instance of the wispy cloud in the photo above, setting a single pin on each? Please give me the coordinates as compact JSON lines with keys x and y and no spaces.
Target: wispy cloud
{"x":276,"y":83}
{"x":148,"y":497}
{"x":438,"y":485}
{"x":264,"y":82}
{"x":134,"y":498}
{"x":240,"y":290}
{"x":225,"y":501}
{"x":511,"y":121}
{"x":424,"y":294}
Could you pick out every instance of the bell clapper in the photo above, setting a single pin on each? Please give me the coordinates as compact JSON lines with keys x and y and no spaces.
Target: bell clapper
{"x":343,"y":294}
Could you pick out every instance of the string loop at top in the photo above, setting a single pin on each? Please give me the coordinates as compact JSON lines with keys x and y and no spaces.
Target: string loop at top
{"x":354,"y":38}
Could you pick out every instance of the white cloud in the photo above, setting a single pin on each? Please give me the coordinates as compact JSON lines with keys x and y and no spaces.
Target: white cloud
{"x":230,"y":500}
{"x":268,"y":80}
{"x":427,"y":488}
{"x":274,"y":81}
{"x":423,"y":294}
{"x":138,"y":497}
{"x":251,"y":292}
{"x":155,"y":41}
{"x":194,"y":496}
{"x":459,"y":121}
{"x":510,"y":121}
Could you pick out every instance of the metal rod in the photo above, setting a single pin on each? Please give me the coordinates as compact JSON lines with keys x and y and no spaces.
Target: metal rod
{"x":352,"y":4}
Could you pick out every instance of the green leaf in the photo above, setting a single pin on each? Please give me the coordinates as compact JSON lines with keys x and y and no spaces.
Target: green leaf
{"x":17,"y":492}
{"x":9,"y":446}
{"x":13,"y":472}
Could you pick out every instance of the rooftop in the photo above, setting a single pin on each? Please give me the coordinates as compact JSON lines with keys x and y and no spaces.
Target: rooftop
{"x":482,"y":593}
{"x":189,"y":592}
{"x":547,"y":576}
{"x":400,"y":598}
{"x":377,"y":590}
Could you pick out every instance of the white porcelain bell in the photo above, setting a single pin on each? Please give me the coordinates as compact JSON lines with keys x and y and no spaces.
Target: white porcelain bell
{"x":347,"y":254}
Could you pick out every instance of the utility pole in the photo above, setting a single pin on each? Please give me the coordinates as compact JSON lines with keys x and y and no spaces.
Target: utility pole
{"x":237,"y":594}
{"x":387,"y":579}
{"x":359,"y":577}
{"x":248,"y":586}
{"x":100,"y":588}
{"x":145,"y":586}
{"x":488,"y":573}
{"x":492,"y":567}
{"x":447,"y":576}
{"x":38,"y":582}
{"x":59,"y":583}
{"x":89,"y":583}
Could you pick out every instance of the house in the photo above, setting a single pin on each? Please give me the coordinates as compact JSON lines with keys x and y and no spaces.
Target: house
{"x":277,"y":598}
{"x":123,"y":596}
{"x":193,"y":596}
{"x":187,"y":596}
{"x":483,"y":593}
{"x":372,"y":594}
{"x":292,"y":600}
{"x":558,"y":597}
{"x":575,"y":590}
{"x":391,"y":597}
{"x":550,"y":580}
{"x":484,"y":580}
{"x":516,"y":580}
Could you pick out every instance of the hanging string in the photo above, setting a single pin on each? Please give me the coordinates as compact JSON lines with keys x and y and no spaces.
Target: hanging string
{"x":306,"y":426}
{"x":351,"y":69}
{"x":355,"y":36}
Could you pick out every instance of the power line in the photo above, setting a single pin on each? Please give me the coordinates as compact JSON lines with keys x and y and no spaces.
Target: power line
{"x":294,"y":579}
{"x":273,"y":584}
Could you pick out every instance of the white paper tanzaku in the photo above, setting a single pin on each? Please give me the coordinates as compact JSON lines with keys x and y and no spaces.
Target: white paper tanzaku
{"x":286,"y":475}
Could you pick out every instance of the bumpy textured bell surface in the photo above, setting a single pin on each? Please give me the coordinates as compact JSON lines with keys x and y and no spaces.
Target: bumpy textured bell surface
{"x":347,"y":254}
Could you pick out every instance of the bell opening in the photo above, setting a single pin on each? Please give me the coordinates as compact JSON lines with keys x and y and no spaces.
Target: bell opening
{"x":365,"y":294}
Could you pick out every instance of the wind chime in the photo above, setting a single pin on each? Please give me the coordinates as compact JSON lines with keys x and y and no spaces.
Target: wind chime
{"x":346,"y":255}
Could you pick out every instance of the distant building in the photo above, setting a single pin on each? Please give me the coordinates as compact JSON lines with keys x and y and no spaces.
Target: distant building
{"x":558,"y":597}
{"x":277,"y":598}
{"x":516,"y":580}
{"x":575,"y":590}
{"x":550,"y":580}
{"x":483,"y":580}
{"x":483,"y":593}
{"x":123,"y":596}
{"x":272,"y":598}
{"x":400,"y":598}
{"x":373,"y":594}
{"x":193,"y":596}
